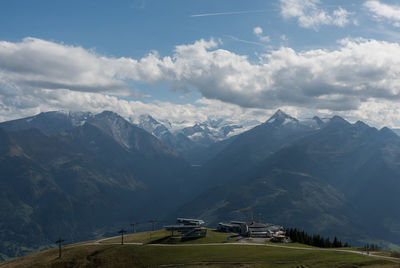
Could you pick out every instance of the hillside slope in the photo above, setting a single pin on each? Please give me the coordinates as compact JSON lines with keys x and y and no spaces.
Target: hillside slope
{"x":339,"y":179}
{"x":249,"y":148}
{"x":80,"y":181}
{"x":107,"y":254}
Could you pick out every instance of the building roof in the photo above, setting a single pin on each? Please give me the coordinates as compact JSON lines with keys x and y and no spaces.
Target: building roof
{"x":238,"y":222}
{"x":228,"y":224}
{"x":185,"y":219}
{"x":257,"y":225}
{"x":190,"y":221}
{"x":274,"y":228}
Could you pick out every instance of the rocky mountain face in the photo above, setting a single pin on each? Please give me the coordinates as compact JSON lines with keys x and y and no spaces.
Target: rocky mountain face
{"x":334,"y":178}
{"x":79,"y":175}
{"x":196,"y":143}
{"x":210,"y":131}
{"x":396,"y":130}
{"x":50,"y":122}
{"x":249,"y":148}
{"x":178,"y":142}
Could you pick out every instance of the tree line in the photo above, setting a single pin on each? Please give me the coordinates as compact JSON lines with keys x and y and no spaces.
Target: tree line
{"x":315,"y":240}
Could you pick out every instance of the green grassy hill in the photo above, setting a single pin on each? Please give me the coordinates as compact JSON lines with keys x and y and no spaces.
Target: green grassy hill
{"x":157,"y":249}
{"x":164,"y":237}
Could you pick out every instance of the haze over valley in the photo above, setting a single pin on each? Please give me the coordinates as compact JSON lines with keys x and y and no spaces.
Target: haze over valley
{"x":80,"y":175}
{"x":235,"y":120}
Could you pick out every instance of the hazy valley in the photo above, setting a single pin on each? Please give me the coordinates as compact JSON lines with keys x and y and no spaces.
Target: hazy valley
{"x":82,"y":175}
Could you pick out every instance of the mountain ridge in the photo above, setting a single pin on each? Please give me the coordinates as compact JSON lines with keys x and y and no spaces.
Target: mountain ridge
{"x":75,"y":183}
{"x":311,"y":174}
{"x":352,"y":161}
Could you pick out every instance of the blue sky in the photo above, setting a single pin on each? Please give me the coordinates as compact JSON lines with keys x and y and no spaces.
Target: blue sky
{"x":190,"y":59}
{"x":133,"y":28}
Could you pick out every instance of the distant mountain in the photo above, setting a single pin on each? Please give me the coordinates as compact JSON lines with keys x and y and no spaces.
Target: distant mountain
{"x":336,"y":178}
{"x":200,"y":134}
{"x":80,"y":175}
{"x":396,"y":130}
{"x":178,"y":142}
{"x":77,"y":176}
{"x":210,"y":131}
{"x":251,"y":147}
{"x":148,"y":123}
{"x":196,"y":143}
{"x":49,"y":122}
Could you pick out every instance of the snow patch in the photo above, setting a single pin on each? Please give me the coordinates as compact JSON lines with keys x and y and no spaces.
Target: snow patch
{"x":288,"y":121}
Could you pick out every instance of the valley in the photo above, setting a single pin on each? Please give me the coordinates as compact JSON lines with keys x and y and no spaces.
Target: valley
{"x":80,"y":176}
{"x":204,"y":133}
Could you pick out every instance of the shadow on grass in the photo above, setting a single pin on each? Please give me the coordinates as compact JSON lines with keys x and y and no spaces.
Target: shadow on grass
{"x":165,"y":240}
{"x":173,"y":240}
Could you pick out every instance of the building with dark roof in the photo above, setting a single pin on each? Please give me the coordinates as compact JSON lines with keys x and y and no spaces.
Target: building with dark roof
{"x":188,"y":228}
{"x":233,"y":227}
{"x":252,"y":229}
{"x":257,"y":229}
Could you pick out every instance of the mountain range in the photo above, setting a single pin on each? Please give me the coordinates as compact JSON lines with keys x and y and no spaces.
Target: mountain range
{"x":80,"y":175}
{"x":197,"y":143}
{"x":71,"y":175}
{"x":330,"y":178}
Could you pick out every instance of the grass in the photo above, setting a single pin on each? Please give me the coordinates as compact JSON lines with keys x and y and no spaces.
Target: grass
{"x":297,"y":245}
{"x":387,"y":253}
{"x":163,"y":236}
{"x":193,"y":256}
{"x":109,"y":254}
{"x":143,"y":237}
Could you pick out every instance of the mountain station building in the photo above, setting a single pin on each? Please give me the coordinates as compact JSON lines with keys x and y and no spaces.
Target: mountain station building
{"x":188,"y":228}
{"x":253,"y":229}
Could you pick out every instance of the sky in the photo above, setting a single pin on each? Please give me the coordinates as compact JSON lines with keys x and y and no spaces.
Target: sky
{"x":189,"y":60}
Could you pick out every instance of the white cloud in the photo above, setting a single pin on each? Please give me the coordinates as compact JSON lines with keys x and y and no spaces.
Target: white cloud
{"x":340,"y":79}
{"x":309,"y":15}
{"x":376,"y":112}
{"x":180,"y":115}
{"x":43,"y":64}
{"x":258,"y":31}
{"x":384,"y":11}
{"x":38,"y":75}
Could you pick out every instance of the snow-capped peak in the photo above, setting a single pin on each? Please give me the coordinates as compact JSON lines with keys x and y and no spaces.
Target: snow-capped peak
{"x":148,"y":118}
{"x":151,"y":125}
{"x":281,"y":118}
{"x":314,"y":123}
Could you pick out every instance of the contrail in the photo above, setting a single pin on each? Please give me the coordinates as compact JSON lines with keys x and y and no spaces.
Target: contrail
{"x":226,"y":13}
{"x":246,"y":41}
{"x":250,"y":11}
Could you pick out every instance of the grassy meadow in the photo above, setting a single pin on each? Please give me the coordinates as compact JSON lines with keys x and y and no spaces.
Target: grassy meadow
{"x":160,"y":250}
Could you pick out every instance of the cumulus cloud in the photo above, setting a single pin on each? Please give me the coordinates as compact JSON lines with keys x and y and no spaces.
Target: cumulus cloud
{"x":384,"y":11}
{"x":339,"y":79}
{"x":37,"y":75}
{"x":258,"y":31}
{"x":375,"y":112}
{"x":43,"y":64}
{"x":179,"y":115}
{"x":309,"y":15}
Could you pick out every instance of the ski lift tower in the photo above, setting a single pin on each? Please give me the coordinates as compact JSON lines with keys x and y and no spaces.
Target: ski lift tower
{"x":122,"y":232}
{"x":59,"y":242}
